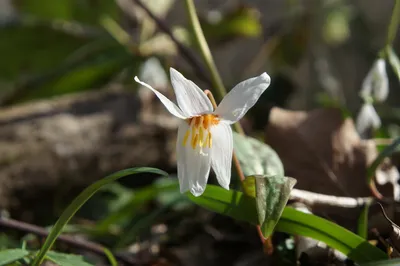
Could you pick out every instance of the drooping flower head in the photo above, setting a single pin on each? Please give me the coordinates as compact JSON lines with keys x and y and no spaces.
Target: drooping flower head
{"x":376,"y":83}
{"x":204,"y":135}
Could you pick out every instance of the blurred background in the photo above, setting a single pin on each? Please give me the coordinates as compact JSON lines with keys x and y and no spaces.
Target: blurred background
{"x":71,"y":113}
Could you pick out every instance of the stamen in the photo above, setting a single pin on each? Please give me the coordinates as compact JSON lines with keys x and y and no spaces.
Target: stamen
{"x":199,"y":127}
{"x":185,"y":138}
{"x":209,"y":139}
{"x":195,"y":141}
{"x":201,"y":136}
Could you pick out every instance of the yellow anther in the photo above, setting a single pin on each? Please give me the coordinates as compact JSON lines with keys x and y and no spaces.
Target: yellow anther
{"x":201,"y":136}
{"x":185,"y":138}
{"x":195,"y":141}
{"x":200,"y":126}
{"x":209,"y":140}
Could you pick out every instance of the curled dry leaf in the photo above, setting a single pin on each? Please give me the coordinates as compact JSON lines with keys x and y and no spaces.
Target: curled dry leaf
{"x":323,"y":151}
{"x":394,"y":233}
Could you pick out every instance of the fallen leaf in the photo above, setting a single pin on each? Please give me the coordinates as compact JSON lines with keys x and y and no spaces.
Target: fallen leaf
{"x":394,"y":230}
{"x":323,"y":151}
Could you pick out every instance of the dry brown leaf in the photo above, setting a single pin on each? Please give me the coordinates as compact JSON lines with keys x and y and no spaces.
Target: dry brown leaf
{"x":323,"y":151}
{"x":394,"y":232}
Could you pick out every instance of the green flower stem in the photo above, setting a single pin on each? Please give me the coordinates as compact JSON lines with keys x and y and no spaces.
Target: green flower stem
{"x":207,"y":56}
{"x":77,"y":203}
{"x":394,"y":23}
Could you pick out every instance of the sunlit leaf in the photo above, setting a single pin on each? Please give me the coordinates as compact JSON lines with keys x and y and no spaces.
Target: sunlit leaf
{"x":392,"y":262}
{"x":77,"y":203}
{"x":66,"y":259}
{"x":86,"y":11}
{"x":128,"y":210}
{"x":256,"y":157}
{"x":10,"y":255}
{"x":241,"y":207}
{"x":272,"y":194}
{"x":362,"y":226}
{"x":394,"y":61}
{"x":241,"y":22}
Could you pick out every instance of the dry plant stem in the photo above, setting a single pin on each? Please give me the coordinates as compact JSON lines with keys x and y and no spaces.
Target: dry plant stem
{"x":71,"y":241}
{"x":383,"y":142}
{"x":181,"y":48}
{"x":311,"y":198}
{"x":240,"y":173}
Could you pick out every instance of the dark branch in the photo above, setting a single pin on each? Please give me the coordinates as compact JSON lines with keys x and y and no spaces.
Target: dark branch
{"x":182,"y":49}
{"x":71,"y":241}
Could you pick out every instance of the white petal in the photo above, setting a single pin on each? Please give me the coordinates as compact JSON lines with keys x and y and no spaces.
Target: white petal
{"x":381,"y":91}
{"x":171,"y":107}
{"x":193,"y":166}
{"x":376,"y":83}
{"x":221,"y":153}
{"x":367,"y":118}
{"x":191,"y":99}
{"x":242,"y":97}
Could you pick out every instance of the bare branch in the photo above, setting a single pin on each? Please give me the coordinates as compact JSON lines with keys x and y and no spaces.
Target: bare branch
{"x":311,"y":198}
{"x":71,"y":241}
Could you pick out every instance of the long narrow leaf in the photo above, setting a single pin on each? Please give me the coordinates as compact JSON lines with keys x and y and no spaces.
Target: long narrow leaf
{"x":77,"y":203}
{"x":10,"y":255}
{"x":241,"y":207}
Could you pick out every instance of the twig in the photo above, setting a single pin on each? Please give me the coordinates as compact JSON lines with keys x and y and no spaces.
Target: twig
{"x":182,"y":49}
{"x":82,"y":244}
{"x":311,"y":198}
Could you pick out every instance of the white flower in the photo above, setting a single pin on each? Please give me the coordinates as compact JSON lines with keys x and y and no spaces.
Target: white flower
{"x":205,"y":136}
{"x":367,"y":118}
{"x":376,"y":82}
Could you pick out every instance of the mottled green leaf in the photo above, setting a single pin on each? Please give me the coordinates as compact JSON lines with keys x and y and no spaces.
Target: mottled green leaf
{"x":272,"y":194}
{"x":242,"y":207}
{"x":10,"y":255}
{"x":256,"y":157}
{"x":66,"y":259}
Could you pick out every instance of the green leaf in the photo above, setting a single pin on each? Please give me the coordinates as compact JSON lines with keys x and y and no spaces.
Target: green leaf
{"x":66,"y":259}
{"x":10,"y":255}
{"x":256,"y":157}
{"x":392,"y":262}
{"x":143,"y":223}
{"x":362,"y":228}
{"x":272,"y":194}
{"x":241,"y":22}
{"x":241,"y":207}
{"x":139,"y":197}
{"x":394,"y":61}
{"x":266,"y":181}
{"x":77,"y":203}
{"x":231,"y":203}
{"x":74,"y":10}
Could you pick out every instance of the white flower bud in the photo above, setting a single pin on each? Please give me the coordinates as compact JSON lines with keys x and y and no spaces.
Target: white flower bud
{"x":376,"y":83}
{"x":367,"y":118}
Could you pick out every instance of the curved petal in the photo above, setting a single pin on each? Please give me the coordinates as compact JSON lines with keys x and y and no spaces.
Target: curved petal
{"x":221,"y":153}
{"x":171,"y":107}
{"x":193,"y":166}
{"x":242,"y":97}
{"x":191,"y":99}
{"x":376,"y":82}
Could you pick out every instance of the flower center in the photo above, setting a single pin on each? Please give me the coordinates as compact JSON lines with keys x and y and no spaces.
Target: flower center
{"x":199,"y":127}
